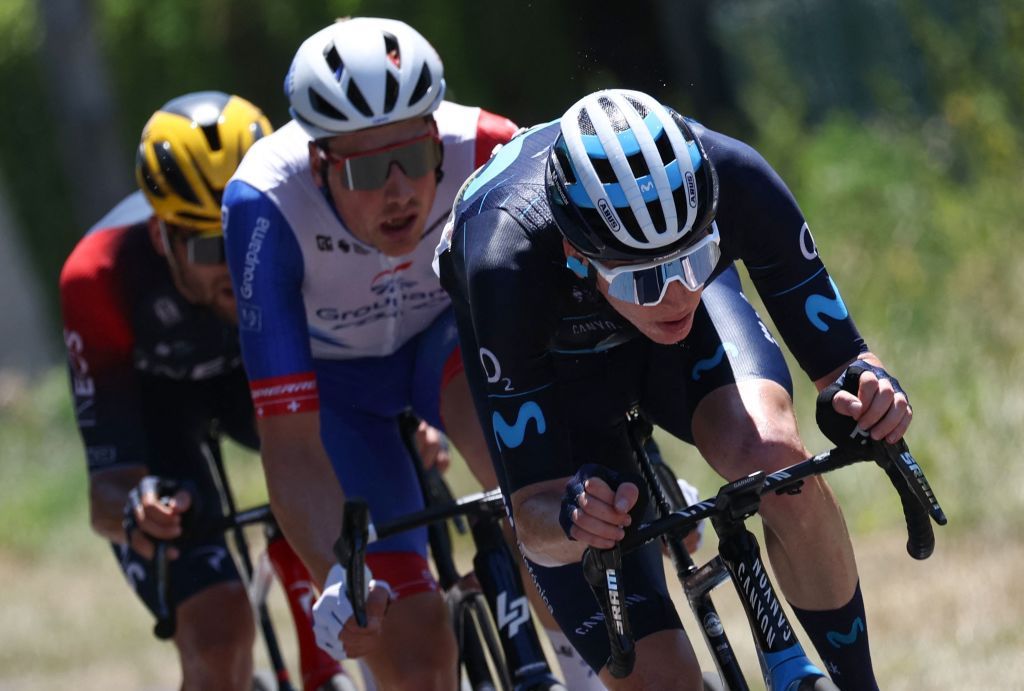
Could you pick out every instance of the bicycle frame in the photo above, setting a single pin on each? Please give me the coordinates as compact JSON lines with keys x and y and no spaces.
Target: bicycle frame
{"x":317,"y":667}
{"x":784,"y":664}
{"x":494,"y":564}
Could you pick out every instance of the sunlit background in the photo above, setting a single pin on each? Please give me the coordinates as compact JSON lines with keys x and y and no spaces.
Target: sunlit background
{"x":897,"y":124}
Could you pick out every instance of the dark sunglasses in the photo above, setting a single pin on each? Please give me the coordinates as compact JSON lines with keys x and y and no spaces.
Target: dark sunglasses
{"x":204,"y":249}
{"x":368,"y":170}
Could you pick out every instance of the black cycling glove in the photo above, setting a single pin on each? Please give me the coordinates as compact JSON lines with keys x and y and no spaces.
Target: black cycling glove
{"x":841,"y":429}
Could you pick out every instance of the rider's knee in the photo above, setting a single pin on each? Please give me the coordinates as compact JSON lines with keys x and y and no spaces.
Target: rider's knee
{"x":215,"y":638}
{"x":664,"y":660}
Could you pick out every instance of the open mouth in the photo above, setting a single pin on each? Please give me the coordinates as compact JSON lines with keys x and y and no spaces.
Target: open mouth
{"x":399,"y":225}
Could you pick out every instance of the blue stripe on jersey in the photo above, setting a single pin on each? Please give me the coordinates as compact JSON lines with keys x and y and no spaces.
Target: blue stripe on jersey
{"x":273,"y":330}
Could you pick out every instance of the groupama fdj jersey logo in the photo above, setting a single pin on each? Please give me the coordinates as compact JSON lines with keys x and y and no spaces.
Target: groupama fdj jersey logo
{"x":391,"y":280}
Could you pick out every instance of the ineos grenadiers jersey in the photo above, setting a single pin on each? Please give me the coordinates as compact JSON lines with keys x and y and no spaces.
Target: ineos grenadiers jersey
{"x":307,"y":288}
{"x":520,"y":311}
{"x":126,"y":323}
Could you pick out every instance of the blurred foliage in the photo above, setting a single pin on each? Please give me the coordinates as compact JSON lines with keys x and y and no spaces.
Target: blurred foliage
{"x":895,"y":122}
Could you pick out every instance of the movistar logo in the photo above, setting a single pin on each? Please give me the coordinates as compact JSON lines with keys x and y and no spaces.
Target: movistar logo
{"x":512,"y":435}
{"x":818,"y":305}
{"x":715,"y":360}
{"x":840,"y":639}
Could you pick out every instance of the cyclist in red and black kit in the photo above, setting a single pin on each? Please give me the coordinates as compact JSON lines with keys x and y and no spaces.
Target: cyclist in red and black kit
{"x":156,"y":374}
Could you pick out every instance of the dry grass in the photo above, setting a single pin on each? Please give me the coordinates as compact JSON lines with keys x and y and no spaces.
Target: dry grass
{"x":952,"y":622}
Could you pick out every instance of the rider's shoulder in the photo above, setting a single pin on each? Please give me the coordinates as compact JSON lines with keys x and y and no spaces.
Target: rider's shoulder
{"x":277,"y":159}
{"x":732,"y":157}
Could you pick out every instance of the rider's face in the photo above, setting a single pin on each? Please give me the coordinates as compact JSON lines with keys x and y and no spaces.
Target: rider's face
{"x":667,"y":322}
{"x":208,"y":285}
{"x":392,"y":217}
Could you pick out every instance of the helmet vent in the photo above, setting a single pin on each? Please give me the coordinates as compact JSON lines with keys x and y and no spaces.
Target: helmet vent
{"x":638,"y":165}
{"x":604,"y":170}
{"x":563,"y":163}
{"x":423,"y":85}
{"x":614,"y":115}
{"x":391,"y":48}
{"x":334,"y":62}
{"x":638,"y":106}
{"x":147,"y":174}
{"x":358,"y":100}
{"x":212,"y":133}
{"x":390,"y":92}
{"x":586,"y":126}
{"x":256,"y":130}
{"x":657,"y":216}
{"x":321,"y":106}
{"x":632,"y":226}
{"x":173,"y":173}
{"x":665,"y":148}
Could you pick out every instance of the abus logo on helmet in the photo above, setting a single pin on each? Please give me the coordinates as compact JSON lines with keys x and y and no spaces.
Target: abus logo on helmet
{"x":609,"y":215}
{"x":691,"y":190}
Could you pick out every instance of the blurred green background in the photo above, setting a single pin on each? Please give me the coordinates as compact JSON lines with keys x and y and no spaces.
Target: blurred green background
{"x":897,"y":123}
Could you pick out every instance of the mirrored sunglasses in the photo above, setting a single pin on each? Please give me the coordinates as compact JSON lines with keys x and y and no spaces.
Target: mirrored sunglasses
{"x":368,"y":170}
{"x":645,"y":284}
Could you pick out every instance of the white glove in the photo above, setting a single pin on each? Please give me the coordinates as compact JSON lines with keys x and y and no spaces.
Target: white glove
{"x":691,"y":496}
{"x":332,"y":609}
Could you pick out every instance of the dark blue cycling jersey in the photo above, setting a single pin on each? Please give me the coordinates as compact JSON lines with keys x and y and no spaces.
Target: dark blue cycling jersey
{"x":525,"y":315}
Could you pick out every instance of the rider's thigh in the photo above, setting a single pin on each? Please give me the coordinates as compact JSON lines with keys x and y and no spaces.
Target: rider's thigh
{"x":664,"y":660}
{"x":215,"y":633}
{"x":747,"y":426}
{"x":417,"y":648}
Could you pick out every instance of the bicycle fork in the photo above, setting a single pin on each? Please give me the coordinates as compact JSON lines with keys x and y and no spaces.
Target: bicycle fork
{"x":784,"y":664}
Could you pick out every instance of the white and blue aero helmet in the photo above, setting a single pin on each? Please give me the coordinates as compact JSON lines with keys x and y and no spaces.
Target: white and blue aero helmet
{"x":363,"y":72}
{"x":628,"y":180}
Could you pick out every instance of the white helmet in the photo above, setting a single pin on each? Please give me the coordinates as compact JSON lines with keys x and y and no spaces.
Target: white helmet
{"x":628,"y":178}
{"x":360,"y":73}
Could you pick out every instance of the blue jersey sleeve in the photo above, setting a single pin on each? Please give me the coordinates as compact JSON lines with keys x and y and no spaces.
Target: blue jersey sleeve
{"x":267,"y":272}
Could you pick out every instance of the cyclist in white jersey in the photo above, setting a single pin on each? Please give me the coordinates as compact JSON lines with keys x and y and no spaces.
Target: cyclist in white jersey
{"x":330,"y":227}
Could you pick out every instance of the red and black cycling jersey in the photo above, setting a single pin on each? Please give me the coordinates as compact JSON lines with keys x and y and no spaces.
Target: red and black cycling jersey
{"x":125,"y":323}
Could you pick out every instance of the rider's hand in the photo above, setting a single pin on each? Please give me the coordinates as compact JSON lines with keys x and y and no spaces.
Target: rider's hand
{"x":880,"y":406}
{"x":593,"y":512}
{"x":432,"y":447}
{"x":336,"y":630}
{"x":151,"y":513}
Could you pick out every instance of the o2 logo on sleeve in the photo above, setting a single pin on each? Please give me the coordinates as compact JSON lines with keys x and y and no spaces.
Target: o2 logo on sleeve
{"x":492,"y":369}
{"x":807,"y":246}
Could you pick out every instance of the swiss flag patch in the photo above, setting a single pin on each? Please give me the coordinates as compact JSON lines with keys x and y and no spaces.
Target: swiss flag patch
{"x":294,"y":393}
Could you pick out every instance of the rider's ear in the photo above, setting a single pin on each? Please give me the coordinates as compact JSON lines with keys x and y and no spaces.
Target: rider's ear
{"x":156,"y":237}
{"x":316,"y":165}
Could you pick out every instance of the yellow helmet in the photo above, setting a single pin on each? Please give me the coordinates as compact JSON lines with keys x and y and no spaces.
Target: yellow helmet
{"x":189,"y":150}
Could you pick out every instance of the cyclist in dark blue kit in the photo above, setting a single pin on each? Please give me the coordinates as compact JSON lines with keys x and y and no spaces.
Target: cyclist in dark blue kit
{"x":591,"y":266}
